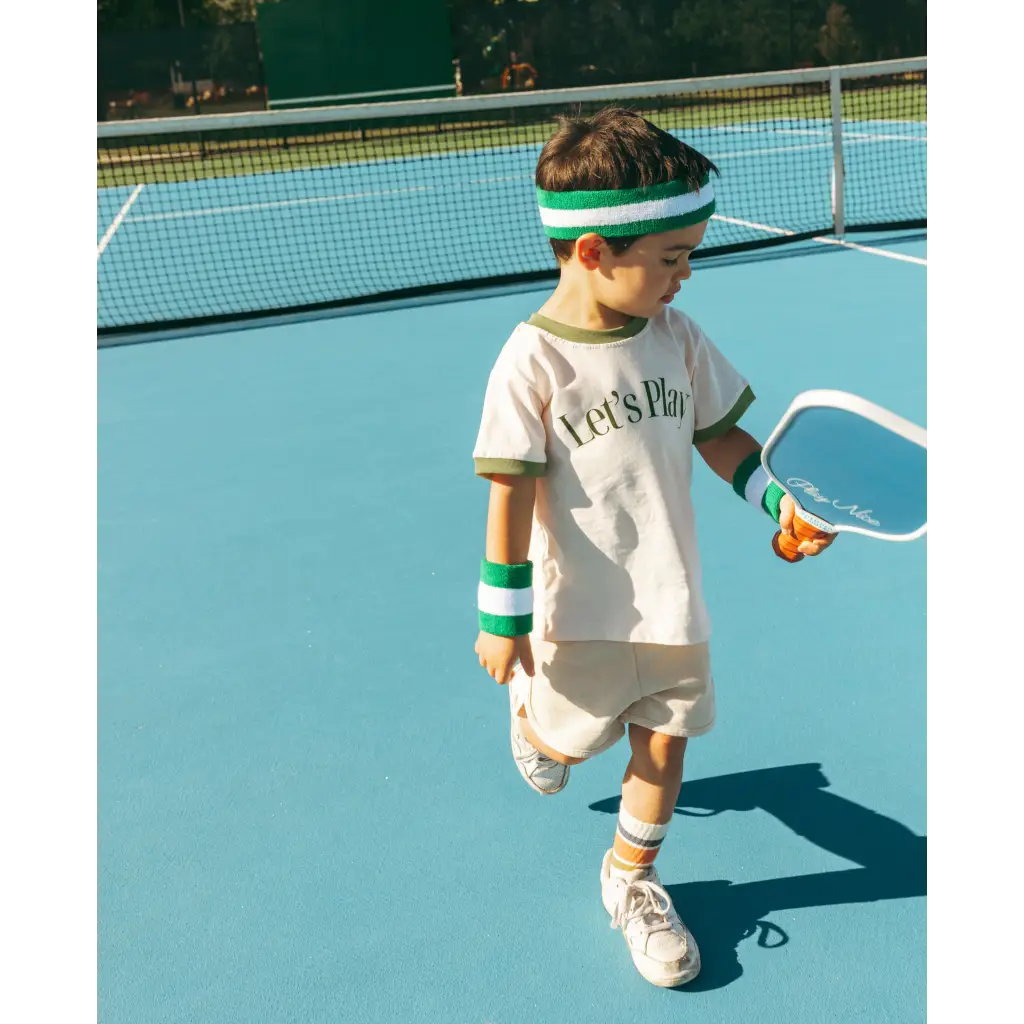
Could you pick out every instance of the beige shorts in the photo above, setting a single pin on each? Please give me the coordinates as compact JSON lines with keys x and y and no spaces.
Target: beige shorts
{"x":585,"y":691}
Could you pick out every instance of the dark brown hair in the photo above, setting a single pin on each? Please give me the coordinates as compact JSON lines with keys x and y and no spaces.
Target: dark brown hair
{"x":616,"y":148}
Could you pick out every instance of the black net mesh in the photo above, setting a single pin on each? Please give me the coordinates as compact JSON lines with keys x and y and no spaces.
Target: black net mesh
{"x":209,"y":220}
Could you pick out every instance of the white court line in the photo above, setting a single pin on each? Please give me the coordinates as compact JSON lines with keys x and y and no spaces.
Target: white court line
{"x":116,"y":223}
{"x":758,"y":130}
{"x":248,"y":207}
{"x":514,"y":177}
{"x":819,"y":133}
{"x":773,"y":149}
{"x":822,"y":240}
{"x":849,"y":140}
{"x":752,"y":224}
{"x":873,"y":251}
{"x":862,"y":136}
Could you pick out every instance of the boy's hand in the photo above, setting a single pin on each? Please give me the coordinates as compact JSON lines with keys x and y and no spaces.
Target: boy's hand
{"x":807,"y":547}
{"x":499,"y":654}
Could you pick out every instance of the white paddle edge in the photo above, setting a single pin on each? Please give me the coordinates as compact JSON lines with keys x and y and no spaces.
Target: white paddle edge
{"x":860,"y":407}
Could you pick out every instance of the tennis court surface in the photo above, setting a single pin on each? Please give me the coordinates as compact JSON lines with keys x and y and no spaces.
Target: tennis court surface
{"x":308,"y":808}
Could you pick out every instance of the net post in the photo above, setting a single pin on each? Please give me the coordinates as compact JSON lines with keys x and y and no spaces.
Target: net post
{"x":838,"y":210}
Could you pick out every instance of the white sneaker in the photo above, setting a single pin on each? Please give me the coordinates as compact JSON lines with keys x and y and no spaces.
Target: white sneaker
{"x":541,"y":773}
{"x":662,"y":947}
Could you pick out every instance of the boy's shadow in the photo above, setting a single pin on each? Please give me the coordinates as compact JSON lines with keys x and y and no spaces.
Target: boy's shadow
{"x":722,"y":914}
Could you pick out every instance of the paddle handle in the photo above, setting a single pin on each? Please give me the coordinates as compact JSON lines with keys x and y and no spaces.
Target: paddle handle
{"x":786,"y":546}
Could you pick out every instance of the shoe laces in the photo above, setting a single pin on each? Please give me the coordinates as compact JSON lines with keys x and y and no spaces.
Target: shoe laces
{"x":646,"y":902}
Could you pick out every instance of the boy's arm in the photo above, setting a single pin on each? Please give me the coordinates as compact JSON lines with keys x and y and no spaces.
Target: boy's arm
{"x":726,"y":453}
{"x":509,"y":525}
{"x":510,"y":518}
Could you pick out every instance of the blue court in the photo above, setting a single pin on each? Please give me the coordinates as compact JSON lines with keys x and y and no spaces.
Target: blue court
{"x":308,"y":809}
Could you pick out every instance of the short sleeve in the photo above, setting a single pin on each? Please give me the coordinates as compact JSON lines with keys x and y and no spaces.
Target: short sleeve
{"x":512,"y":437}
{"x":721,"y":395}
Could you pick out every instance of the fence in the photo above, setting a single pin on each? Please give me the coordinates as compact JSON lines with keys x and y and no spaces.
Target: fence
{"x":160,"y":72}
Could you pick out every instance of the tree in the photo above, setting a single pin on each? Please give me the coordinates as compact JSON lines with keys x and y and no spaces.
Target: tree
{"x":230,"y":12}
{"x":135,"y":13}
{"x":140,"y":14}
{"x":838,"y":41}
{"x":732,"y":35}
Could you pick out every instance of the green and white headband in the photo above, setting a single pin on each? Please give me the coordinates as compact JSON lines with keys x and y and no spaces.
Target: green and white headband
{"x":618,"y":213}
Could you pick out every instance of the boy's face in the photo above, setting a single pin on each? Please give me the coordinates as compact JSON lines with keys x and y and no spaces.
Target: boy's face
{"x":647,"y":275}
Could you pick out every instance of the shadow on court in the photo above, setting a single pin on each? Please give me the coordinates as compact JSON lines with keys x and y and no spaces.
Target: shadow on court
{"x":722,"y":914}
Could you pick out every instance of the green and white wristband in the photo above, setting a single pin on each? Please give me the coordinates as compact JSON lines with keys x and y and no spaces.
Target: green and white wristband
{"x":505,"y":598}
{"x":752,"y":482}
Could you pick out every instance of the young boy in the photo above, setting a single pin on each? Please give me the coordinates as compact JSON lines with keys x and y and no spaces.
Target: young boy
{"x":590,"y":595}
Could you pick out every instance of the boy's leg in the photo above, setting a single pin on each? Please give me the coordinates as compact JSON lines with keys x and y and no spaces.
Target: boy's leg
{"x":650,"y":788}
{"x":662,"y":948}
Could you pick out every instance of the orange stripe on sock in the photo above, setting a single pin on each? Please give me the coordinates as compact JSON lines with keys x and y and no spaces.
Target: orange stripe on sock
{"x":630,"y":856}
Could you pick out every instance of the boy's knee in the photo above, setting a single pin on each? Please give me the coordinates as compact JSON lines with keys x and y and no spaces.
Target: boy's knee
{"x":656,"y":748}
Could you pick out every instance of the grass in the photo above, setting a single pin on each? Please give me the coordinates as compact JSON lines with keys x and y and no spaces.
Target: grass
{"x":233,"y":154}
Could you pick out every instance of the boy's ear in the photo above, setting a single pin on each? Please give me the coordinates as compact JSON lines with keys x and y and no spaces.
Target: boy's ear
{"x":589,"y":249}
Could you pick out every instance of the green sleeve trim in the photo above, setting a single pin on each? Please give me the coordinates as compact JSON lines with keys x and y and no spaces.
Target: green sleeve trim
{"x":744,"y":471}
{"x":510,"y":577}
{"x":506,"y":625}
{"x":728,"y":421}
{"x":772,"y":499}
{"x":509,"y":467}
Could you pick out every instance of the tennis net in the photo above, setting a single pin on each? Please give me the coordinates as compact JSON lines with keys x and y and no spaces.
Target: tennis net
{"x":212,"y":218}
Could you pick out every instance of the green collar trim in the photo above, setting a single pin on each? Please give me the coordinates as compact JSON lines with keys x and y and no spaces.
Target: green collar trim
{"x":581,"y":334}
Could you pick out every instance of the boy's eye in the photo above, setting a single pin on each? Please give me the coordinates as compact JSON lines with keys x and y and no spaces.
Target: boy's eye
{"x":670,"y":263}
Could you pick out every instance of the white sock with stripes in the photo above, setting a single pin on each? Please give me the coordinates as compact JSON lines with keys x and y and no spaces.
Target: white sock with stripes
{"x":636,"y":845}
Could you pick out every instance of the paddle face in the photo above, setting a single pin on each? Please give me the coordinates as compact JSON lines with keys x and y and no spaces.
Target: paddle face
{"x":851,"y":464}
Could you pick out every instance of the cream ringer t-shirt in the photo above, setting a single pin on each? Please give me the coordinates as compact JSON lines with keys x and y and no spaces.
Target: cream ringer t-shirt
{"x":607,"y":421}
